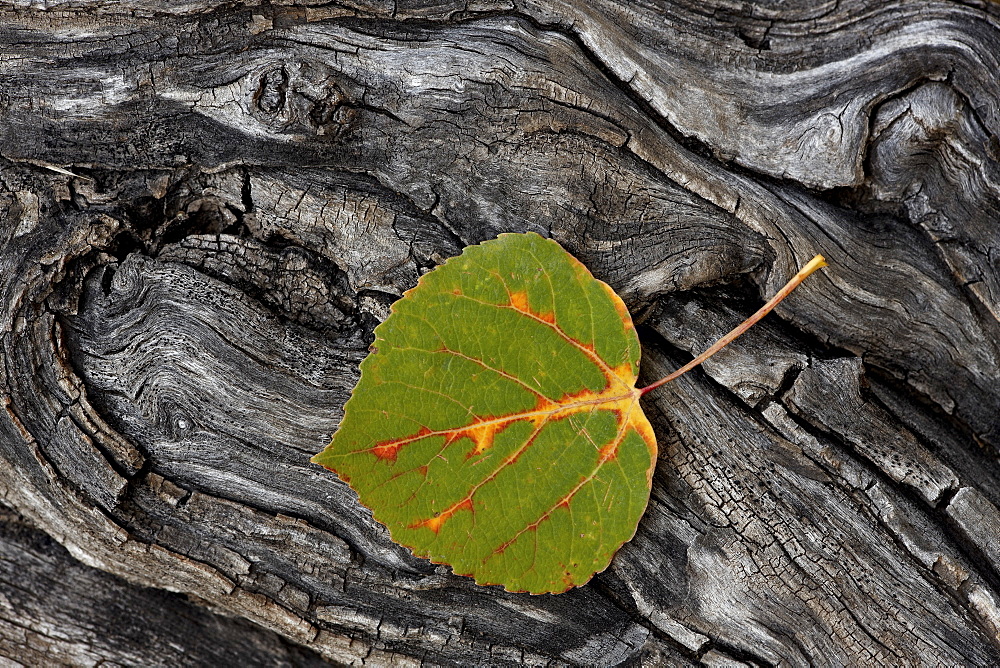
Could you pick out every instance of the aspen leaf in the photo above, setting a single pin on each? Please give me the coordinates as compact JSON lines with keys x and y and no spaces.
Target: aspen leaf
{"x":496,"y":426}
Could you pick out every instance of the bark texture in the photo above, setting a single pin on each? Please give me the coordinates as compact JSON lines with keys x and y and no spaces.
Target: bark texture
{"x":206,"y":208}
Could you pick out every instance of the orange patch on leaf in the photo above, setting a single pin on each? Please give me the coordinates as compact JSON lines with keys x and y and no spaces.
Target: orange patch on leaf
{"x":481,"y":433}
{"x":519,"y":302}
{"x":389,"y":450}
{"x":543,"y":407}
{"x":435,"y":523}
{"x":609,"y":451}
{"x":625,"y":373}
{"x":612,"y":397}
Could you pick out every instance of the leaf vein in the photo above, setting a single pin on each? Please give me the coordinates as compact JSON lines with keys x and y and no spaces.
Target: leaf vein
{"x":619,"y":437}
{"x":445,"y":349}
{"x":594,"y":357}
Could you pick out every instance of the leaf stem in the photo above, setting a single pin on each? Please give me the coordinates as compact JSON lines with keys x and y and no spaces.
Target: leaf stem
{"x":812,"y":266}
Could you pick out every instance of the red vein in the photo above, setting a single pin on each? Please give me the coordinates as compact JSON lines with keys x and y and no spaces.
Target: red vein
{"x":580,"y":279}
{"x":501,"y":420}
{"x":446,"y":513}
{"x":594,"y":357}
{"x":606,"y":453}
{"x":590,"y":307}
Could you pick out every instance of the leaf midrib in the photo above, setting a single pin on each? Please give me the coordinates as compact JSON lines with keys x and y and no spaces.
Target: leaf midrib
{"x":513,"y":417}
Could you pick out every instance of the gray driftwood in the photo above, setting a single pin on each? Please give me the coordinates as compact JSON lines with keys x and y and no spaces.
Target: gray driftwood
{"x":205,"y":209}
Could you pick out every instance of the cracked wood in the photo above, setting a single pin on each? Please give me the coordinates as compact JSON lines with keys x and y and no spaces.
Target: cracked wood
{"x":205,"y":211}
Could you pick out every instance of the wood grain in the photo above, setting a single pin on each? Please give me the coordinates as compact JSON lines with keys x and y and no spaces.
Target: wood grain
{"x":205,"y":210}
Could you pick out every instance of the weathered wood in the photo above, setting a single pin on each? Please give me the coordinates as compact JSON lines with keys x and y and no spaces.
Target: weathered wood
{"x":204,"y":211}
{"x":57,"y":612}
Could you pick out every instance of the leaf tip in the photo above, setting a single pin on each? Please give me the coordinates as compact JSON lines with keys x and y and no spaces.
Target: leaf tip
{"x":318,"y":457}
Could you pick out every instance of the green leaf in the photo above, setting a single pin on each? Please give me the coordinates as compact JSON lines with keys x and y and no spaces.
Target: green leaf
{"x":496,"y":426}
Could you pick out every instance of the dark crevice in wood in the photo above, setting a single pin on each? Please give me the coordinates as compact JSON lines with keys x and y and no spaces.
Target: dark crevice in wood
{"x":692,"y":144}
{"x":936,"y":513}
{"x":72,"y":611}
{"x":742,"y":294}
{"x":398,"y":144}
{"x":859,"y":198}
{"x":955,"y":534}
{"x":976,"y":461}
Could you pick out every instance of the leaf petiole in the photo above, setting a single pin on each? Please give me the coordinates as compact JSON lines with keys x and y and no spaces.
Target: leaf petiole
{"x":810,"y":267}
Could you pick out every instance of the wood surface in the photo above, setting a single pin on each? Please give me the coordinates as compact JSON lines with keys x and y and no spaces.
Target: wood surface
{"x":205,"y":209}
